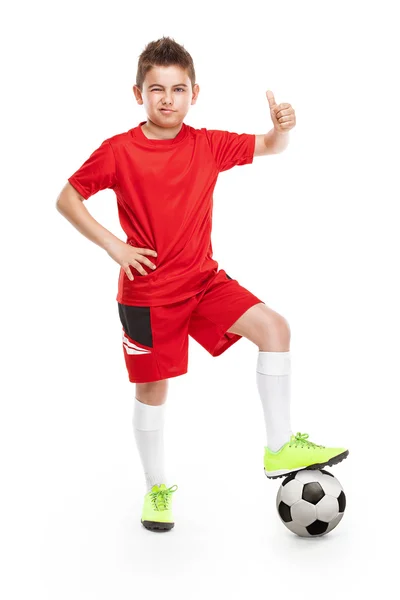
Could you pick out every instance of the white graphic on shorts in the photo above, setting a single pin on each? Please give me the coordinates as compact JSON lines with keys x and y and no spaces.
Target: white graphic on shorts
{"x":133,"y":348}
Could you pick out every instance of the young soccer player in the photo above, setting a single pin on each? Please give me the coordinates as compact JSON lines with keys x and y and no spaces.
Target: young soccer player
{"x":163,"y":173}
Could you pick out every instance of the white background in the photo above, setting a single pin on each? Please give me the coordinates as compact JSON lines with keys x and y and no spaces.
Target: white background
{"x":313,"y":231}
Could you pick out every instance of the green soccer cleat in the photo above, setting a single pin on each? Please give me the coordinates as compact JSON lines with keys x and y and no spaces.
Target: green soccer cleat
{"x":157,"y":508}
{"x":298,"y":454}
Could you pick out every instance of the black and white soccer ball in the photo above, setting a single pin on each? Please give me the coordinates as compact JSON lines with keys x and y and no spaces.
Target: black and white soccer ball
{"x":311,"y":502}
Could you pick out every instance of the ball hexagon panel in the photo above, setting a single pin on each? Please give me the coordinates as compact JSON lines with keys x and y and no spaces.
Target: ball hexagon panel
{"x":327,"y":509}
{"x":309,"y":475}
{"x":303,"y":513}
{"x":291,"y":492}
{"x":331,"y":486}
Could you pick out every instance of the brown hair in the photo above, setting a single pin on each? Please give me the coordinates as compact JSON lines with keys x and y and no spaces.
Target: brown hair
{"x":164,"y":53}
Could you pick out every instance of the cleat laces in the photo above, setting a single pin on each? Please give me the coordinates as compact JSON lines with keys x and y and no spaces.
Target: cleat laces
{"x":300,"y":439}
{"x":161,"y":498}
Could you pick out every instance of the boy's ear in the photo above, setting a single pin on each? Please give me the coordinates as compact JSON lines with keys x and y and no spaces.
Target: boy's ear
{"x":137,"y":92}
{"x":196,"y":91}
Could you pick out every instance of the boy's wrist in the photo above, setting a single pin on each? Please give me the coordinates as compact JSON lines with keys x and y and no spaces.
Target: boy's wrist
{"x":109,"y":241}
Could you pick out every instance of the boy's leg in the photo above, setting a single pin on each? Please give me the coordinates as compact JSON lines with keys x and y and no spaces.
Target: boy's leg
{"x":285,"y":452}
{"x":270,"y":332}
{"x":148,"y":425}
{"x":148,"y":422}
{"x":226,"y":311}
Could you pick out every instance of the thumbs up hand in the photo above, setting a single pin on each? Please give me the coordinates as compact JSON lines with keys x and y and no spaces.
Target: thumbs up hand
{"x":282,"y":115}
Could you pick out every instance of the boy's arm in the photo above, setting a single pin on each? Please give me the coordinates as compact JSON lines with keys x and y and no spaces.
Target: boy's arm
{"x":70,"y":205}
{"x":272,"y":142}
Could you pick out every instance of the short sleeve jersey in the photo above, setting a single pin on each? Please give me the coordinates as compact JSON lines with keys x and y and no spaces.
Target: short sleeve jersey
{"x":164,"y":191}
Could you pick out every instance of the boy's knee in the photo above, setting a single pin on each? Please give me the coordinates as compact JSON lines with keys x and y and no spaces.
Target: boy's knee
{"x":152,"y":392}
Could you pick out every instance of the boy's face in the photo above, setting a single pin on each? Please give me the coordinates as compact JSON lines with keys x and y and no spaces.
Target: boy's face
{"x":167,"y":94}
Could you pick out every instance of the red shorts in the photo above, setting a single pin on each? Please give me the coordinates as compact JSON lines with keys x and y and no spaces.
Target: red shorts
{"x":155,"y":338}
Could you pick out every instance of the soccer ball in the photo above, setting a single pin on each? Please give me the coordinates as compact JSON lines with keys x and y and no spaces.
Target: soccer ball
{"x":311,"y":502}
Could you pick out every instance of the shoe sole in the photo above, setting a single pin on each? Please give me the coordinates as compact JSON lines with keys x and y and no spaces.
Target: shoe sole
{"x":157,"y":526}
{"x":329,"y":463}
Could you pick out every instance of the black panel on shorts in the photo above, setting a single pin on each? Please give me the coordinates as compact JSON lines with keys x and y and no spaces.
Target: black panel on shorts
{"x":136,"y":323}
{"x":228,"y":276}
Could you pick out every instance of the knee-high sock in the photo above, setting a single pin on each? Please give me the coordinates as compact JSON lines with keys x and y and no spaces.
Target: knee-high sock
{"x":148,"y":426}
{"x":273,"y":383}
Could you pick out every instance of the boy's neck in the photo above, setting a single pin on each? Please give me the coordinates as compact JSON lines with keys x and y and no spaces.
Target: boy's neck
{"x":154,"y":132}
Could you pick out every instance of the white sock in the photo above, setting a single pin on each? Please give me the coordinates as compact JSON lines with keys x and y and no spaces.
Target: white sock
{"x":148,"y":426}
{"x":273,"y":383}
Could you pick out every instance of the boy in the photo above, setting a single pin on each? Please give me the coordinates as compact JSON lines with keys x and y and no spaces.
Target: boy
{"x":163,"y":173}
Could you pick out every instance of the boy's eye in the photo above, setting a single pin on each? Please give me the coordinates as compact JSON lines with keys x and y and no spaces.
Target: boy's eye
{"x":158,"y":89}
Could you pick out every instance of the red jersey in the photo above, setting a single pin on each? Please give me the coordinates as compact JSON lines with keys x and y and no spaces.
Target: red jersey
{"x":164,"y":191}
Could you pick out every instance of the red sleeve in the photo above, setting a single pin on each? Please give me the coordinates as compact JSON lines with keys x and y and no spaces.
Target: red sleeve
{"x":97,"y":172}
{"x":230,"y":149}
